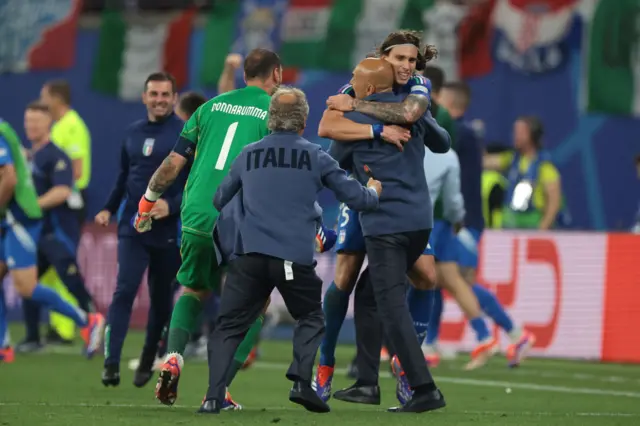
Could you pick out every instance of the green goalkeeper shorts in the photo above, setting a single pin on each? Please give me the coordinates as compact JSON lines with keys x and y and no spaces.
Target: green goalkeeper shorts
{"x":199,"y":270}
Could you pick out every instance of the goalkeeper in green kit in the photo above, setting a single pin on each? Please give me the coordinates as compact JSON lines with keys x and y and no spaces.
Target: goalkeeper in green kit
{"x":214,"y":135}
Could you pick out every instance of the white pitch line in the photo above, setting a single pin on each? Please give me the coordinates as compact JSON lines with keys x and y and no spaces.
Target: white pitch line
{"x":477,"y":382}
{"x":489,"y":383}
{"x":533,"y":371}
{"x":352,"y":408}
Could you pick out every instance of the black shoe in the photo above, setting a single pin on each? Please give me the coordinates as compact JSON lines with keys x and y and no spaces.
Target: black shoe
{"x":29,"y":346}
{"x":54,"y":338}
{"x":111,"y":375}
{"x":144,"y":372}
{"x":142,"y":377}
{"x":420,"y":403}
{"x":302,"y":394}
{"x":209,"y":406}
{"x":359,"y":394}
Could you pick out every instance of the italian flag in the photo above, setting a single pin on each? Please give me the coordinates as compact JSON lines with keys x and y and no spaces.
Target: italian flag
{"x":337,"y":34}
{"x":219,"y":34}
{"x":129,"y":51}
{"x":612,"y":40}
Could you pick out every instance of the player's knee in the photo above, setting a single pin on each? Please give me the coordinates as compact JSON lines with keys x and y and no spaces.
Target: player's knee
{"x":347,"y":268}
{"x":200,"y":294}
{"x":424,"y":276}
{"x":449,"y":279}
{"x":25,"y":281}
{"x":469,"y":275}
{"x":3,"y":270}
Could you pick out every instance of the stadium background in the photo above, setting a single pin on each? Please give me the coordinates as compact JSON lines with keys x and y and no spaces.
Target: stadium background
{"x":555,"y":280}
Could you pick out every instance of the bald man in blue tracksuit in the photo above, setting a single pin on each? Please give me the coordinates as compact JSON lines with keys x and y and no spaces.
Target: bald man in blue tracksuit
{"x":395,"y":236}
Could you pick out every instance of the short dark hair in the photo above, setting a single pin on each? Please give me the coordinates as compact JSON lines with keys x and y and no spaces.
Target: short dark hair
{"x":536,"y":128}
{"x":162,"y":76}
{"x":38,"y":106}
{"x":190,"y":101}
{"x":436,"y":75}
{"x":260,"y":63}
{"x":462,"y":91}
{"x":60,"y":89}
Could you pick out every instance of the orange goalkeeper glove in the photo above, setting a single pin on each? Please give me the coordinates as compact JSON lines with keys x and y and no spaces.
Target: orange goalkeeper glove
{"x":142,"y":220}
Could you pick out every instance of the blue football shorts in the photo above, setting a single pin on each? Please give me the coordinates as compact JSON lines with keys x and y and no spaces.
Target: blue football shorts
{"x":444,"y":242}
{"x":468,"y":241}
{"x":428,"y":250}
{"x":19,"y":244}
{"x":350,"y":238}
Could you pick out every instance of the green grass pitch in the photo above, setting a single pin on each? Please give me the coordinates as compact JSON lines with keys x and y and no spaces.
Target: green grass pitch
{"x":56,"y":389}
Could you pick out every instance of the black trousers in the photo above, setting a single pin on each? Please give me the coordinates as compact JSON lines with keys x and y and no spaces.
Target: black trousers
{"x":390,"y":257}
{"x":369,"y":332}
{"x":134,"y":257}
{"x":250,"y":280}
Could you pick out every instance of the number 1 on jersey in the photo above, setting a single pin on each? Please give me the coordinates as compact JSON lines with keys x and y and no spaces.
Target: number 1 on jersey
{"x":226,"y":146}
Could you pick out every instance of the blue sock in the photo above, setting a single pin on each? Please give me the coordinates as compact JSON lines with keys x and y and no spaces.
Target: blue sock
{"x":436,"y":316}
{"x":4,"y":341}
{"x":334,"y":305}
{"x":492,"y":307}
{"x":53,"y":301}
{"x":480,"y":327}
{"x":420,"y":306}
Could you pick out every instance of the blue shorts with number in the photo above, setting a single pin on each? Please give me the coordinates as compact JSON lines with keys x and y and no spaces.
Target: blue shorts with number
{"x":468,"y":241}
{"x":350,"y":238}
{"x":19,"y":245}
{"x":444,"y":242}
{"x":428,"y":250}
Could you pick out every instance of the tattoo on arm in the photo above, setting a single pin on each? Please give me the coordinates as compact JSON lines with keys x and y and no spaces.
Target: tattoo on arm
{"x":407,"y":112}
{"x":164,"y":175}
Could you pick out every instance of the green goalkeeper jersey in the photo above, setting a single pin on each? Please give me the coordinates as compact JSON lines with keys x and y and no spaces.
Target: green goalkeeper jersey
{"x":220,"y":129}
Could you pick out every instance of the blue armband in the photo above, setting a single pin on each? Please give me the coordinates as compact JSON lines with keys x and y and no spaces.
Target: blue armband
{"x":377,"y":130}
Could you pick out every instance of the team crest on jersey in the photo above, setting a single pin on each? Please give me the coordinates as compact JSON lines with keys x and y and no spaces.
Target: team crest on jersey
{"x":147,"y":147}
{"x":341,"y":237}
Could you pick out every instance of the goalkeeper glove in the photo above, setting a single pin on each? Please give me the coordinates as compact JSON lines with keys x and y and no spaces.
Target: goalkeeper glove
{"x":142,"y":219}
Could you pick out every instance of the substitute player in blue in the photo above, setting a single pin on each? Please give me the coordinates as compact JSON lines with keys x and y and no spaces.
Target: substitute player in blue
{"x":402,"y":50}
{"x":456,"y":97}
{"x":20,"y":227}
{"x":279,"y":176}
{"x":146,"y":144}
{"x":52,"y":173}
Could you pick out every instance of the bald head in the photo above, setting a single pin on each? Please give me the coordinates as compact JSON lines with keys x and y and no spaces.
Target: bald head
{"x":372,"y":75}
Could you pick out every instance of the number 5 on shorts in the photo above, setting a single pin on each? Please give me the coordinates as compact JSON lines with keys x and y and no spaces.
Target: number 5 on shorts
{"x":226,"y":146}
